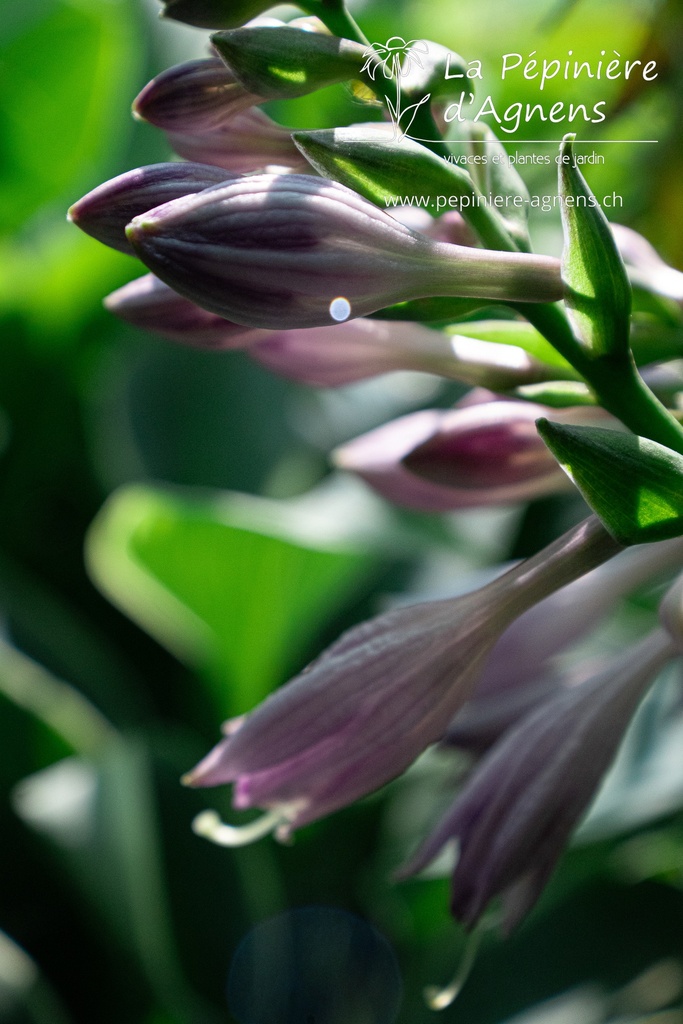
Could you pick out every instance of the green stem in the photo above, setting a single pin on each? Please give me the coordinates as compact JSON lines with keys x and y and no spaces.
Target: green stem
{"x":616,"y":382}
{"x":624,"y":393}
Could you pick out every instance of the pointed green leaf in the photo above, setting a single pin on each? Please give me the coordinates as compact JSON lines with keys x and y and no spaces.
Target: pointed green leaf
{"x":385,"y":170}
{"x":633,"y":484}
{"x":229,"y":583}
{"x":281,"y":63}
{"x":598,"y":293}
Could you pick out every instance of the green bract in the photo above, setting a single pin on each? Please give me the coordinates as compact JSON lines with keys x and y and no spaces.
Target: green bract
{"x":598,"y":293}
{"x":633,"y":484}
{"x":383,"y":169}
{"x":436,"y":70}
{"x":497,"y":177}
{"x":282,"y":63}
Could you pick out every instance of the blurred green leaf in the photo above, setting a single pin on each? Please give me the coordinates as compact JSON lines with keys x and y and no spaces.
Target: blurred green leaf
{"x":61,"y":78}
{"x":231,"y":584}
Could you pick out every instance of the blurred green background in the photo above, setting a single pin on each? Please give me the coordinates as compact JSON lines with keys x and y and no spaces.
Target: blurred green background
{"x":172,"y":546}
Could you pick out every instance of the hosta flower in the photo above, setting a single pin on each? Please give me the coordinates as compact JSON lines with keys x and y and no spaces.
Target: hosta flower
{"x":285,"y":251}
{"x":194,"y":97}
{"x":105,"y":212}
{"x":374,"y":700}
{"x":151,"y":305}
{"x":515,"y":814}
{"x":483,"y":454}
{"x":250,"y":141}
{"x":520,"y":673}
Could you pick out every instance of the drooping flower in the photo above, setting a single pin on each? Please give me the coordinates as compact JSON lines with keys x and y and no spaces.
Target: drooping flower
{"x":286,"y":251}
{"x":516,"y":812}
{"x":151,"y":305}
{"x":104,"y":213}
{"x":371,"y":703}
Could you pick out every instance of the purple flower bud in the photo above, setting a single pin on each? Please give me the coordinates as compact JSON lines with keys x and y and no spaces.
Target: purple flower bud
{"x":483,"y":454}
{"x":372,"y":702}
{"x":250,"y":141}
{"x":517,"y":810}
{"x":153,"y":306}
{"x":646,"y":267}
{"x":194,"y":97}
{"x":286,"y":251}
{"x":105,"y":212}
{"x":358,"y":349}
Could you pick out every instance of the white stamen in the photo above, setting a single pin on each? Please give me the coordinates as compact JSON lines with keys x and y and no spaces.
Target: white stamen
{"x":439,"y":998}
{"x":209,"y":825}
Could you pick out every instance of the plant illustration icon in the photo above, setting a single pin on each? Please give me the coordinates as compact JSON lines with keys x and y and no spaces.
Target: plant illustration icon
{"x":396,"y":58}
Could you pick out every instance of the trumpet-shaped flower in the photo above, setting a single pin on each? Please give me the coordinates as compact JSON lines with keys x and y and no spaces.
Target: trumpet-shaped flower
{"x":371,"y":703}
{"x":285,"y":251}
{"x":515,"y":814}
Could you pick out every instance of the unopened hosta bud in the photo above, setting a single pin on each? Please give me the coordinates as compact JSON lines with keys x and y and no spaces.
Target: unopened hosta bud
{"x":435,"y":460}
{"x":151,"y":305}
{"x":250,"y":141}
{"x":194,"y":97}
{"x":645,"y":266}
{"x":285,"y":251}
{"x":358,"y":349}
{"x":105,"y":212}
{"x":285,"y":62}
{"x":430,"y":68}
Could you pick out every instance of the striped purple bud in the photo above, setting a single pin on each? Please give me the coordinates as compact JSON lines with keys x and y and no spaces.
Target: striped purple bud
{"x":487,"y":453}
{"x":286,"y":251}
{"x":250,"y":141}
{"x":151,"y":305}
{"x":194,"y":97}
{"x":105,"y":212}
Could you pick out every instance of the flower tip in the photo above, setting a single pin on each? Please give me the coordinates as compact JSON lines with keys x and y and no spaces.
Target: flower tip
{"x":188,"y":778}
{"x":138,"y":228}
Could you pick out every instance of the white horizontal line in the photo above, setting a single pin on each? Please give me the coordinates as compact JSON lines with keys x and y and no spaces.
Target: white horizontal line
{"x":546,"y":142}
